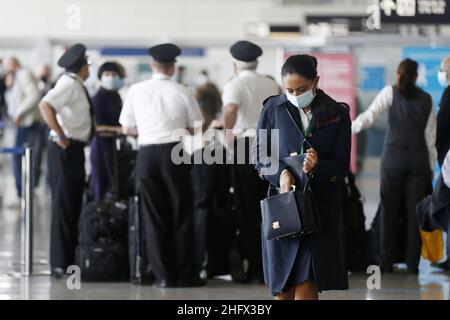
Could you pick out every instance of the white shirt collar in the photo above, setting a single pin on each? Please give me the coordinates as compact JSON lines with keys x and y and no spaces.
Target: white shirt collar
{"x":247,"y":73}
{"x":160,"y":76}
{"x":74,"y":75}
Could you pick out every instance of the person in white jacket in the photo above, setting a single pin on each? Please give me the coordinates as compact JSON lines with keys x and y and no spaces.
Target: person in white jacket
{"x":22,"y":98}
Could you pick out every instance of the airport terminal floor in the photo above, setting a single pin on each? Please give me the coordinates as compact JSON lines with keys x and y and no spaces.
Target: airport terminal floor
{"x":430,"y":284}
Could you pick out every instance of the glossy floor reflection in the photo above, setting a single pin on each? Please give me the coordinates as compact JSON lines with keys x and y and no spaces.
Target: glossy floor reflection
{"x":430,"y":284}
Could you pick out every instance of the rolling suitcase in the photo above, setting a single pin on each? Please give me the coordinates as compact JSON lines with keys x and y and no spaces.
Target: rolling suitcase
{"x":103,"y":238}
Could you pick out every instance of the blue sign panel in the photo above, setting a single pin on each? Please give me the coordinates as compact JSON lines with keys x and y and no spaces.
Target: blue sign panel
{"x":373,"y":78}
{"x":111,"y":51}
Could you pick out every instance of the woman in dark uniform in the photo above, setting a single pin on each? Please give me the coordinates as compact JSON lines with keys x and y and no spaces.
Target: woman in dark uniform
{"x":299,"y":268}
{"x":107,"y":105}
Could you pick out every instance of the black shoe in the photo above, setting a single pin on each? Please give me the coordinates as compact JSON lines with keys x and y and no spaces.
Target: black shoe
{"x":191,"y":282}
{"x":59,"y":273}
{"x":237,"y":267}
{"x":164,"y":283}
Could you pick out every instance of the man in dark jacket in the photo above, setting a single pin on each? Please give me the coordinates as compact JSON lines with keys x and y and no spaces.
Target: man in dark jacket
{"x":434,"y":211}
{"x":443,"y":116}
{"x":443,"y":128}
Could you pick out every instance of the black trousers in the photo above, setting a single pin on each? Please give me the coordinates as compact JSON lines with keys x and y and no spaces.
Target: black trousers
{"x":405,"y":178}
{"x":248,"y":190}
{"x":66,"y":176}
{"x":214,"y":230}
{"x":166,"y":201}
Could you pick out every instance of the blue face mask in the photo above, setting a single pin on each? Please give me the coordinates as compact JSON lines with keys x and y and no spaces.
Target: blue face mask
{"x":112,"y":82}
{"x":303,"y":100}
{"x":118,"y":83}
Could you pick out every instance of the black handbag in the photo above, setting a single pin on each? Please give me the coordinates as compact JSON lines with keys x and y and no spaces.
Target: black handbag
{"x":290,"y":214}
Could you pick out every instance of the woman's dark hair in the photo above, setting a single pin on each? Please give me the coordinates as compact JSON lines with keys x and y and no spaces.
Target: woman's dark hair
{"x":301,"y":64}
{"x":108,"y":66}
{"x":406,"y":83}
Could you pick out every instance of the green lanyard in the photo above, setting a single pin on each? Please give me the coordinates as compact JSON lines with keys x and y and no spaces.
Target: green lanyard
{"x":306,"y":134}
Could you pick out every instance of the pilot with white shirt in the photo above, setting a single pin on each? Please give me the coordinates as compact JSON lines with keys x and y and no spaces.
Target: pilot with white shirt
{"x":408,"y":158}
{"x":67,"y":111}
{"x":242,"y":100}
{"x":156,"y":108}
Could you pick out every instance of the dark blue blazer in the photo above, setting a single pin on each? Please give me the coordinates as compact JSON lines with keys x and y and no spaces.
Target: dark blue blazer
{"x":331,"y":138}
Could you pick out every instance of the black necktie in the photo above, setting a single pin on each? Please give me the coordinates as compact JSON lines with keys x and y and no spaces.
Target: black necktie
{"x":91,"y":113}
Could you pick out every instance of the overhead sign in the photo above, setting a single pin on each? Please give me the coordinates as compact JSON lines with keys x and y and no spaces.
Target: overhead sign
{"x":415,"y":11}
{"x":342,"y":25}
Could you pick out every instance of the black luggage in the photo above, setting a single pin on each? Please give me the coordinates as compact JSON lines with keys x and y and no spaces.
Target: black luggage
{"x":103,"y":221}
{"x":102,"y":261}
{"x":126,"y":163}
{"x":102,"y":250}
{"x":356,"y":237}
{"x":102,"y":253}
{"x":138,"y":264}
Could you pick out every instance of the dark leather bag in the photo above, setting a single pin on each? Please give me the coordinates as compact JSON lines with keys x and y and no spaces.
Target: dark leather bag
{"x":290,"y":214}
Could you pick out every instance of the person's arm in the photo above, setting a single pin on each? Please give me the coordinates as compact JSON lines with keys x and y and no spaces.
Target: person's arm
{"x":430,"y":137}
{"x":231,"y":99}
{"x":193,"y":112}
{"x":127,"y":118}
{"x":53,"y":102}
{"x":337,"y":167}
{"x":105,"y":128}
{"x":265,"y":154}
{"x":31,"y":94}
{"x":230,"y":115}
{"x":130,"y":131}
{"x":49,"y":115}
{"x":379,"y":105}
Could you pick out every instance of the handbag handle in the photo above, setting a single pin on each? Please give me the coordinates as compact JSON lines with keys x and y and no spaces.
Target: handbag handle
{"x":294,"y":187}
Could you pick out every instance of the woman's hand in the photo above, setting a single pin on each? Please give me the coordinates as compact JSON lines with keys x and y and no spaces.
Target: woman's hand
{"x":310,"y":161}
{"x":286,"y":181}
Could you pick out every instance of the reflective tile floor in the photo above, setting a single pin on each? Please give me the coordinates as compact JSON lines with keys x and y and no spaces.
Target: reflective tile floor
{"x":430,"y":284}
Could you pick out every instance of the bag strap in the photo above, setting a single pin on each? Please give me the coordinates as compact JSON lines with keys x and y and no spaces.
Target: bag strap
{"x":297,"y":126}
{"x":308,"y":179}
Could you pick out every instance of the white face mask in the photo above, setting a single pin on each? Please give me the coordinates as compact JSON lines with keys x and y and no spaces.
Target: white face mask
{"x":111,"y":82}
{"x":303,"y":100}
{"x":442,"y":78}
